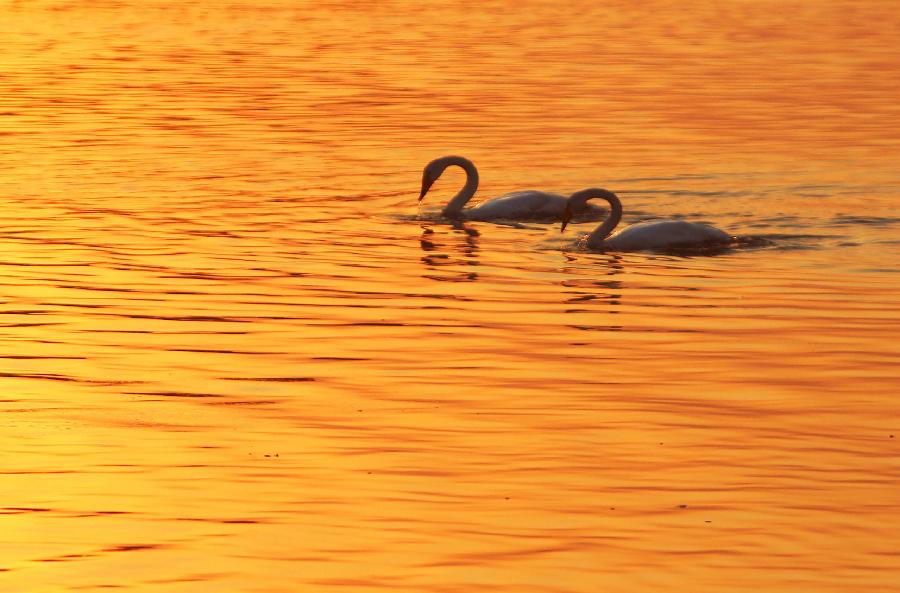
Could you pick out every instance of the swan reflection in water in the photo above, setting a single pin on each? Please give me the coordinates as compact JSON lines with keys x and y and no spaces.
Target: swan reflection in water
{"x":520,"y":205}
{"x":654,"y":235}
{"x":592,"y":296}
{"x":447,"y":249}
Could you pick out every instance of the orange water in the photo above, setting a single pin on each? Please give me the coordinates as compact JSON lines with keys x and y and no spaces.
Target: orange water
{"x":237,"y":358}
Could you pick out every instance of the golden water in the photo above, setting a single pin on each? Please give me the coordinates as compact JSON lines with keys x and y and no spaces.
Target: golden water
{"x":237,"y":358}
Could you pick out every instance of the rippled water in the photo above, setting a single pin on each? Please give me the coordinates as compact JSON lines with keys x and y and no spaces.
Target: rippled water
{"x":237,"y":357}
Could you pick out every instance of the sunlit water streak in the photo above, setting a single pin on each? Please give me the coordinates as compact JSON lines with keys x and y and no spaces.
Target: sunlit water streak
{"x":236,"y":356}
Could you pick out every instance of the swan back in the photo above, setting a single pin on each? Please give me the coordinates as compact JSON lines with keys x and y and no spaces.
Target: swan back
{"x":665,"y":234}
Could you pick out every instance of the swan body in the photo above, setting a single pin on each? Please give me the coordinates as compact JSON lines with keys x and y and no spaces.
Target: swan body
{"x":651,"y":235}
{"x":530,"y":204}
{"x":519,"y":205}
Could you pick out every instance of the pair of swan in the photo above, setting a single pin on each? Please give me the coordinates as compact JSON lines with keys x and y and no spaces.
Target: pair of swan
{"x":536,"y":205}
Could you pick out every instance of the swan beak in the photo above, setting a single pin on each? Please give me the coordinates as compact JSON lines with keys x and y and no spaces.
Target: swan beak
{"x":426,"y":185}
{"x":566,"y":217}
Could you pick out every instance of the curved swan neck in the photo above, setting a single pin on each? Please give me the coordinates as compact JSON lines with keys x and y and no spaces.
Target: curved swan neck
{"x":454,"y":207}
{"x":596,"y":239}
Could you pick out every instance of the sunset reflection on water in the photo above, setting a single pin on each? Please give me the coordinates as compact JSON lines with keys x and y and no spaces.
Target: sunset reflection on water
{"x":237,"y":356}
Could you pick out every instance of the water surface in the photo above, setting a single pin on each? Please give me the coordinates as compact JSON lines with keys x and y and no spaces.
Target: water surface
{"x":236,"y":356}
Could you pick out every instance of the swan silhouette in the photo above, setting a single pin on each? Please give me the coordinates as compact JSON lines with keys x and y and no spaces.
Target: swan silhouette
{"x":650,"y":235}
{"x":521,"y":205}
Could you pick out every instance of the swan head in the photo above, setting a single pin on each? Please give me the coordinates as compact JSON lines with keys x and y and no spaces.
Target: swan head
{"x":566,"y":217}
{"x":429,"y":176}
{"x":578,"y":201}
{"x":435,"y":169}
{"x":432,"y":173}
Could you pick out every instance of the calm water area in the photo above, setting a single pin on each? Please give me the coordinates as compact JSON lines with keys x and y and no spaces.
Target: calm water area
{"x":236,"y":355}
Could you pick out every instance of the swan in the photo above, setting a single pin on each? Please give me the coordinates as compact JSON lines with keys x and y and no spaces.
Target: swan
{"x":654,"y":234}
{"x":529,"y":204}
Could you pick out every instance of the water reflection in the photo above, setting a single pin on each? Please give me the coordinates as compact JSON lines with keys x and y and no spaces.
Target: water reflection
{"x":584,"y":291}
{"x":228,"y":366}
{"x":587,"y":297}
{"x":450,"y":247}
